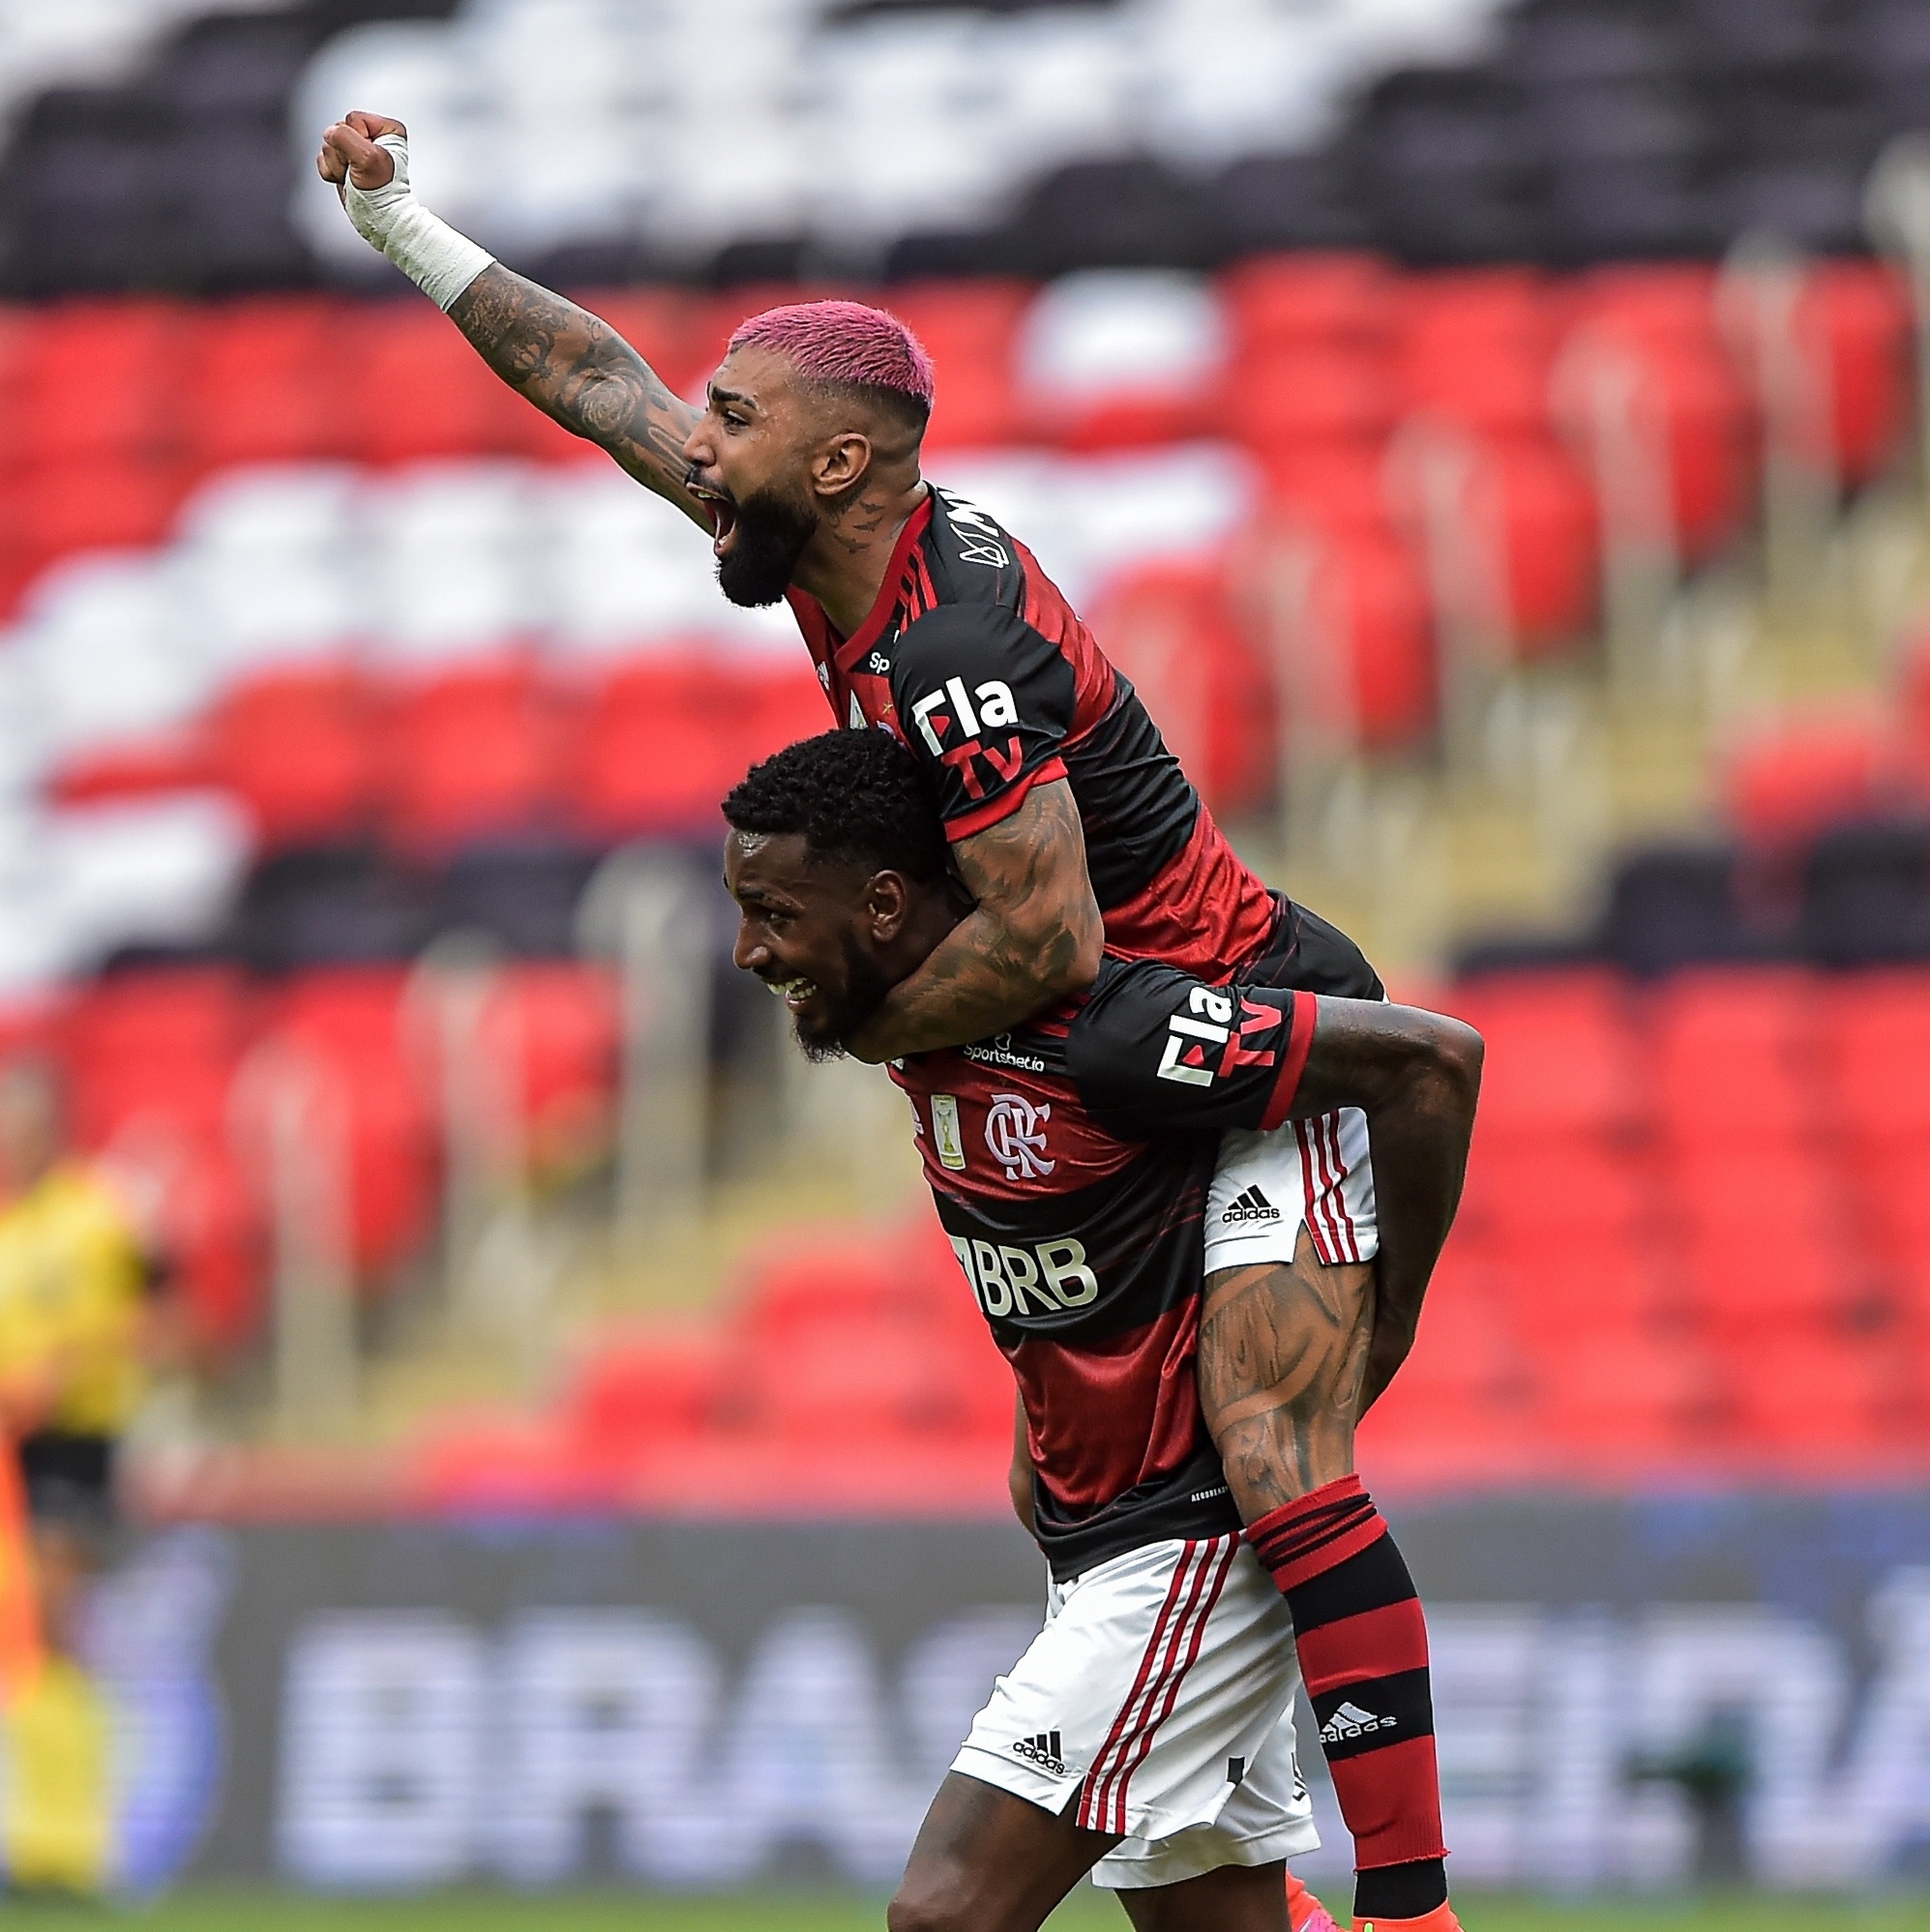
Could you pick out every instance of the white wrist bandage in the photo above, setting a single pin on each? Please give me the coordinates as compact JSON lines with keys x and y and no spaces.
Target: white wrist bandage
{"x":440,"y":261}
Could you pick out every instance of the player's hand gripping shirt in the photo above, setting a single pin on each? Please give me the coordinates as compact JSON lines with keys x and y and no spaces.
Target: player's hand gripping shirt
{"x":976,"y":662}
{"x":1082,"y":1238}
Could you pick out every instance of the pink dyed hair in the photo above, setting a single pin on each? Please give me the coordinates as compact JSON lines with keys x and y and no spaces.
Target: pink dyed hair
{"x":845,"y":342}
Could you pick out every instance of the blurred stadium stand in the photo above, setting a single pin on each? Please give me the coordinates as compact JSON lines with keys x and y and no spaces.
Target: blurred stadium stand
{"x":1485,"y":435}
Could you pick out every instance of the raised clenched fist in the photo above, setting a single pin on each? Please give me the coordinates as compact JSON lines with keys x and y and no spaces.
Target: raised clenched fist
{"x":349,"y":153}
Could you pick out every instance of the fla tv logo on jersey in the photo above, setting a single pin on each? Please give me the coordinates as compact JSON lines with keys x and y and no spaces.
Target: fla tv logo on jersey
{"x":977,"y":713}
{"x":1205,"y":1043}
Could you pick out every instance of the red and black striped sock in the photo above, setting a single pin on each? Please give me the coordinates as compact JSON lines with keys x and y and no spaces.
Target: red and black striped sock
{"x":1363,"y":1652}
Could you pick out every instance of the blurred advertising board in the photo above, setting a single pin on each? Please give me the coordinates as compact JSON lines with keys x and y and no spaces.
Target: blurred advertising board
{"x":692,"y":1704}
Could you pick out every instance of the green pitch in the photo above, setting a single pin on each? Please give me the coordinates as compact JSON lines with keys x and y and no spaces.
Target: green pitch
{"x":222,"y":1911}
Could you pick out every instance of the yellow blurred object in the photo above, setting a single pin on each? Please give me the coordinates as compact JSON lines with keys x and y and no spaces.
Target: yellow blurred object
{"x":71,"y":1286}
{"x":54,"y":1820}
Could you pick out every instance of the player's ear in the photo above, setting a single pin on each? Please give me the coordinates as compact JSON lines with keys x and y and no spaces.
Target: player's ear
{"x":886,"y":905}
{"x":842,"y":461}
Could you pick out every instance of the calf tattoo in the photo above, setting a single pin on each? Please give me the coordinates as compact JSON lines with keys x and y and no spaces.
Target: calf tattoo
{"x":1282,"y":1359}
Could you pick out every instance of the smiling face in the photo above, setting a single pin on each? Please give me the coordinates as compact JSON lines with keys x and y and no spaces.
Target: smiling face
{"x":755,"y":458}
{"x":820,"y":934}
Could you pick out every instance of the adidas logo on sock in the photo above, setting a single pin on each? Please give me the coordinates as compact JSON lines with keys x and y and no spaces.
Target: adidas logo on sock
{"x":1349,"y":1722}
{"x":1252,"y":1205}
{"x":1044,"y":1751}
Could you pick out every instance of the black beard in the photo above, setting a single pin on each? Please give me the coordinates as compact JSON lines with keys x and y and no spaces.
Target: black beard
{"x":865,"y":989}
{"x":770,"y":536}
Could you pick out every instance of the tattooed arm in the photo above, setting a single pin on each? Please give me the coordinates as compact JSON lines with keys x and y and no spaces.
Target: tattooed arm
{"x":1033,"y":937}
{"x":578,"y":370}
{"x":572,"y":366}
{"x":1290,"y":1356}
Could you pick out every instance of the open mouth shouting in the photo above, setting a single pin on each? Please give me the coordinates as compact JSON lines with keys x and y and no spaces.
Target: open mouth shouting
{"x":723,"y":511}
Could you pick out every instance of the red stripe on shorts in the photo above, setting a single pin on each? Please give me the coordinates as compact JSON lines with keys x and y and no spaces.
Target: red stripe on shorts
{"x":1192,"y":1633}
{"x":1174,"y":1589}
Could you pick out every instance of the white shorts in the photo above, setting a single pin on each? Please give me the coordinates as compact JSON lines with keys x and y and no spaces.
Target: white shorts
{"x":1159,"y":1700}
{"x":1312,"y":1174}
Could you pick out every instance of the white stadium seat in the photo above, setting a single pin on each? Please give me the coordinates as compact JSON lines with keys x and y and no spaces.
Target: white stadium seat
{"x":539,"y":122}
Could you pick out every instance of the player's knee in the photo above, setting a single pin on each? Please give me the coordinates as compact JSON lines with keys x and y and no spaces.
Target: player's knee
{"x":933,"y":1899}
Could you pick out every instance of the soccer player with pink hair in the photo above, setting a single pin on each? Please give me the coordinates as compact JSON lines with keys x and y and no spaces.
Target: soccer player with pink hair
{"x":1072,"y":831}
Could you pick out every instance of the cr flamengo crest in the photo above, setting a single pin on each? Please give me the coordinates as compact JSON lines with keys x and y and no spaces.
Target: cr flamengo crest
{"x":1015,"y":1131}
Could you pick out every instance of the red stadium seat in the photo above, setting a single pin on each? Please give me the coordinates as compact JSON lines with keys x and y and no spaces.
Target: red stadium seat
{"x":152,"y":1058}
{"x":176,"y":762}
{"x":1337,"y":488}
{"x":1817,"y":1399}
{"x":629,"y":1392}
{"x":667,"y":736}
{"x":1171,"y":631}
{"x":155,"y":1031}
{"x":650,"y":756}
{"x":1612,"y":1407}
{"x":1757,"y":1192}
{"x":561,"y":1020}
{"x":1573,"y":1288}
{"x":94,"y":501}
{"x":970,"y":330}
{"x":1557,"y":1189}
{"x":1300,"y":397}
{"x":419,"y":390}
{"x":1476,"y":348}
{"x":102,"y":378}
{"x":1551,"y":535}
{"x":1314,"y":299}
{"x":1664,"y":320}
{"x":1747,"y":1280}
{"x":508,"y":1465}
{"x":266,"y":384}
{"x":1349,"y":612}
{"x":1731,"y":1051}
{"x":1560,"y":1054}
{"x":1873,"y":1035}
{"x":1857,"y":319}
{"x":475,"y":754}
{"x":349,"y":1018}
{"x":301,"y":750}
{"x":1786,"y":783}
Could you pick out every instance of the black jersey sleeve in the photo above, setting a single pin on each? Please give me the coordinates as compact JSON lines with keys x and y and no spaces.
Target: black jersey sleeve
{"x":1155,"y":1052}
{"x":987,"y":702}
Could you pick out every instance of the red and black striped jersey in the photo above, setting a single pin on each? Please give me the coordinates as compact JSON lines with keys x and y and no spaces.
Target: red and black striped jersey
{"x":973,"y":658}
{"x":1069,"y":1162}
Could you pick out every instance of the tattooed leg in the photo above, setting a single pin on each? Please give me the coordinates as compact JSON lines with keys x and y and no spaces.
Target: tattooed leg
{"x":1282,"y":1356}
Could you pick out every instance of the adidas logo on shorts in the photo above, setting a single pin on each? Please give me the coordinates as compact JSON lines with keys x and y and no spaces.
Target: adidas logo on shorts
{"x":1349,"y":1722}
{"x":1252,"y":1205}
{"x":1044,"y":1751}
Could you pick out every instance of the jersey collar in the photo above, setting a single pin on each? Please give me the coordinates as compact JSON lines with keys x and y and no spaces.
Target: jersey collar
{"x":890,"y":593}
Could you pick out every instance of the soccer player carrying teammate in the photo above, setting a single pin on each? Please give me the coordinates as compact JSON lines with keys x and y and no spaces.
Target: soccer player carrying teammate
{"x":1072,"y":828}
{"x":1146,"y":1735}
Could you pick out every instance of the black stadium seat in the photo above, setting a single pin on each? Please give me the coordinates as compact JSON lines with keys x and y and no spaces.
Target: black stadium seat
{"x":1135,"y":212}
{"x":1866,"y":894}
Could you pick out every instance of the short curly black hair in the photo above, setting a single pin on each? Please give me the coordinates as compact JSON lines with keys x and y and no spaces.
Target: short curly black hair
{"x":856,"y":795}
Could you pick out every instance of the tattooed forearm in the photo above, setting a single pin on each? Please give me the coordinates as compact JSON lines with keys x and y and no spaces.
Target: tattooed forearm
{"x":579,"y":369}
{"x":1034,"y":936}
{"x":1283,"y":1355}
